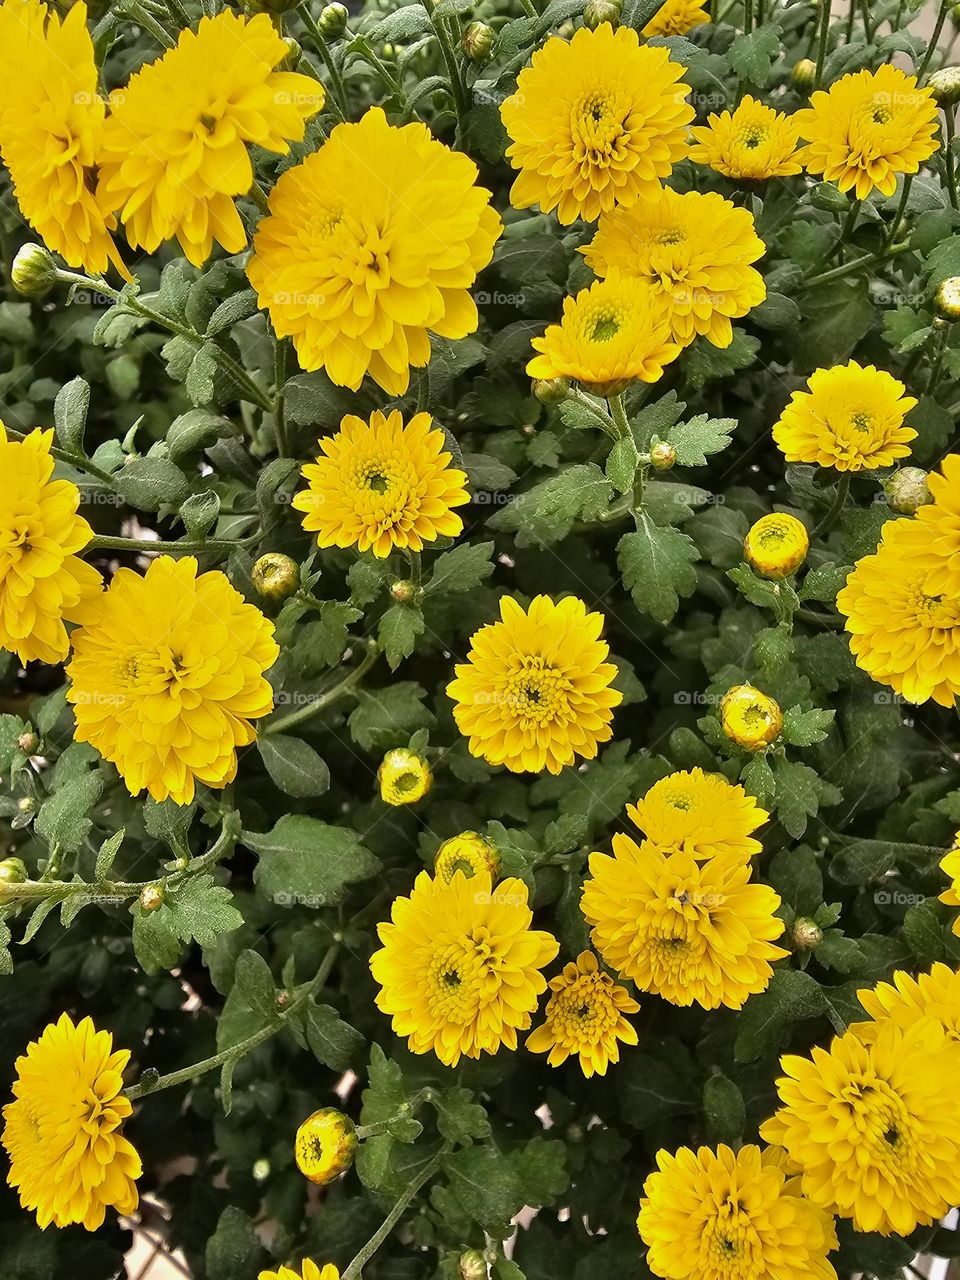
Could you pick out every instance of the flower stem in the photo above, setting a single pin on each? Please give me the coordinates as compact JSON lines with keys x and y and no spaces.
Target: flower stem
{"x":460,"y":102}
{"x":851,"y":268}
{"x":329,"y":696}
{"x":949,"y":161}
{"x":901,"y":209}
{"x":279,"y":382}
{"x":618,"y":413}
{"x":78,"y":460}
{"x":934,"y":39}
{"x":836,"y":506}
{"x":937,"y":366}
{"x":338,"y":91}
{"x":355,"y":1268}
{"x":101,"y":542}
{"x":822,"y":38}
{"x":143,"y":19}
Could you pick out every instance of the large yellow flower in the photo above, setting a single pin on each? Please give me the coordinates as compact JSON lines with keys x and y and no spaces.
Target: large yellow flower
{"x":752,"y":143}
{"x":676,"y":18}
{"x":694,"y":251}
{"x":868,"y":127}
{"x":689,"y":931}
{"x":725,"y":1215}
{"x":42,"y":580}
{"x":873,"y":1128}
{"x":907,"y":1001}
{"x":68,"y":1159}
{"x":851,"y":418}
{"x":308,"y":1271}
{"x":950,"y":865}
{"x":941,"y":521}
{"x":383,"y":485}
{"x":371,"y":244}
{"x":701,"y":814}
{"x":52,"y":128}
{"x":535,"y":690}
{"x":167,"y":676}
{"x":595,"y":122}
{"x":584,"y":1016}
{"x":459,"y":970}
{"x":175,"y":147}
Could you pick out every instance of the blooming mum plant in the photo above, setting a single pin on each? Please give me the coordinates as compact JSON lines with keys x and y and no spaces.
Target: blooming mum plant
{"x":479,"y":639}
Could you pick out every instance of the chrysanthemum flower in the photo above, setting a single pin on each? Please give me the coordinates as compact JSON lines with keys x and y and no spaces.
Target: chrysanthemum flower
{"x":167,"y":676}
{"x":868,"y":127}
{"x":69,"y":1162}
{"x":42,"y":579}
{"x":701,"y":814}
{"x":404,"y":777}
{"x":776,"y":545}
{"x":752,"y":143}
{"x":851,"y":418}
{"x":725,"y":1215}
{"x":535,"y":690}
{"x":689,"y":931}
{"x":676,"y":18}
{"x":175,"y":146}
{"x":383,"y":485}
{"x":596,"y":121}
{"x":941,"y":522}
{"x":468,"y":853}
{"x":459,"y":970}
{"x":611,"y":333}
{"x":950,"y":865}
{"x":873,"y":1127}
{"x":694,"y":251}
{"x":907,"y":1001}
{"x":372,"y":243}
{"x":308,"y":1271}
{"x":584,"y":1016}
{"x":750,"y":718}
{"x":52,"y":128}
{"x":325,"y":1145}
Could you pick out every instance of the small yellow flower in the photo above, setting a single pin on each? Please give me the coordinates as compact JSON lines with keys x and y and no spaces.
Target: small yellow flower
{"x":584,"y":1016}
{"x":750,"y":718}
{"x":940,"y":521}
{"x":950,"y":865}
{"x":468,"y":853}
{"x":752,"y":143}
{"x":776,"y":545}
{"x":308,"y":1271}
{"x":907,"y":1000}
{"x":404,"y":777}
{"x":676,"y":18}
{"x":325,"y":1145}
{"x":383,"y":485}
{"x":275,"y":576}
{"x":701,"y":814}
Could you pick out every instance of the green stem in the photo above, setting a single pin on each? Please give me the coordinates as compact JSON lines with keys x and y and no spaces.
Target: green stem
{"x":178,"y":13}
{"x":618,"y":414}
{"x":279,"y":382}
{"x":851,"y":268}
{"x":836,"y":506}
{"x":338,"y":90}
{"x":457,"y":87}
{"x":416,"y":571}
{"x":901,"y":209}
{"x":101,"y":542}
{"x":355,"y":1268}
{"x":78,"y":460}
{"x":603,"y":418}
{"x":937,"y":366}
{"x":528,"y":8}
{"x":934,"y":39}
{"x":822,"y":38}
{"x":325,"y":699}
{"x":949,"y":161}
{"x":143,"y":19}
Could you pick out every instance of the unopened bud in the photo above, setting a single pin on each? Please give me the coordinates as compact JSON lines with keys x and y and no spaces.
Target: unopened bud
{"x":151,"y":897}
{"x":402,"y":591}
{"x":275,"y":576}
{"x":325,"y":1145}
{"x":34,"y":272}
{"x":551,"y":390}
{"x":472,"y":1265}
{"x":404,"y":777}
{"x":804,"y":75}
{"x":26,"y":804}
{"x":947,"y":298}
{"x":807,"y":934}
{"x":663,"y":456}
{"x":294,"y":53}
{"x":261,"y":1169}
{"x":478,"y":41}
{"x":908,"y":490}
{"x":28,"y":743}
{"x":333,"y":20}
{"x":13,"y":871}
{"x":945,"y":84}
{"x":597,"y":12}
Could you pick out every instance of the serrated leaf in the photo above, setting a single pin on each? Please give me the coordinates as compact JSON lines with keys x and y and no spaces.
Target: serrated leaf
{"x":657,"y":567}
{"x":766,"y":1020}
{"x":621,"y":466}
{"x":254,"y":980}
{"x":308,"y":862}
{"x":462,"y":568}
{"x":798,"y":795}
{"x":695,"y":440}
{"x":198,"y":909}
{"x":804,"y":728}
{"x":293,"y":765}
{"x":398,"y":631}
{"x":63,"y":819}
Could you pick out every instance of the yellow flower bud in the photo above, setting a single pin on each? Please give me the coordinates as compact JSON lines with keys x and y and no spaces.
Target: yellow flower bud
{"x":947,"y":299}
{"x":34,"y":272}
{"x":945,"y":84}
{"x":333,"y":20}
{"x":325,"y":1145}
{"x":472,"y":1265}
{"x":908,"y":490}
{"x":469,"y":853}
{"x":275,"y":576}
{"x":776,"y":545}
{"x":13,"y":871}
{"x":28,"y":743}
{"x":663,"y":456}
{"x":807,"y":934}
{"x":151,"y":897}
{"x":402,"y":591}
{"x":404,"y":777}
{"x":597,"y":12}
{"x":551,"y":390}
{"x":804,"y":75}
{"x":478,"y":41}
{"x":750,"y":718}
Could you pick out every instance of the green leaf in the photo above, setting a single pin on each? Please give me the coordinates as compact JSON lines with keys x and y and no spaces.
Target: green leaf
{"x":199,"y":513}
{"x":254,"y":981}
{"x":485,"y":1187}
{"x":924,"y":931}
{"x":695,"y":440}
{"x":795,"y":874}
{"x":384,"y":718}
{"x":461,"y":569}
{"x":293,"y":765}
{"x":234,"y":1248}
{"x":798,"y":795}
{"x":705,"y":363}
{"x":657,"y":567}
{"x":824,"y":582}
{"x":63,"y":819}
{"x":752,"y":55}
{"x":723,"y":1110}
{"x":332,"y":1041}
{"x":152,"y":483}
{"x":198,"y":909}
{"x":542,"y":1173}
{"x":107,"y":853}
{"x":398,"y":631}
{"x":70,"y":414}
{"x":804,"y":728}
{"x":308,"y":862}
{"x":170,"y":822}
{"x":766,"y":1020}
{"x":621,"y":465}
{"x":460,"y":1118}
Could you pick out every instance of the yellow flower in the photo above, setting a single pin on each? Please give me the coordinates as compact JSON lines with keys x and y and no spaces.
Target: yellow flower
{"x":404,"y":777}
{"x":724,"y":1215}
{"x":611,"y":333}
{"x":776,"y":545}
{"x":701,"y":814}
{"x":372,"y":243}
{"x":584,"y":1016}
{"x":168,"y":674}
{"x":308,"y":1271}
{"x":676,"y":18}
{"x":52,"y":128}
{"x":535,"y":690}
{"x":459,"y":970}
{"x":908,"y":1001}
{"x":750,"y":718}
{"x":42,"y":580}
{"x":175,"y":148}
{"x":868,"y":127}
{"x":851,"y":418}
{"x":873,"y":1127}
{"x":691,"y":932}
{"x":469,"y":853}
{"x":752,"y":143}
{"x":694,"y":251}
{"x":595,"y":121}
{"x":68,"y":1159}
{"x":383,"y":485}
{"x":325,"y":1145}
{"x":940,"y":521}
{"x":950,"y":865}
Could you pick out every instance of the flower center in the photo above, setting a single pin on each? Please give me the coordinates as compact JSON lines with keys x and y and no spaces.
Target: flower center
{"x":597,"y":131}
{"x":537,"y":693}
{"x":583,"y":1012}
{"x":460,"y":976}
{"x":752,"y":136}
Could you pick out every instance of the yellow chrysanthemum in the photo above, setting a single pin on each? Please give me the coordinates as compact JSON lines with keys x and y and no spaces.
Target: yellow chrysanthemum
{"x":42,"y":580}
{"x":689,"y":931}
{"x":776,"y":545}
{"x":325,"y":1145}
{"x":175,"y":148}
{"x":468,"y":853}
{"x":750,"y":718}
{"x":950,"y":865}
{"x":371,"y":245}
{"x":752,"y":143}
{"x":676,"y":18}
{"x":701,"y":814}
{"x":459,"y":970}
{"x":403,"y":777}
{"x":907,"y":1001}
{"x":868,"y":127}
{"x":69,"y":1162}
{"x":851,"y":418}
{"x":725,"y":1215}
{"x":596,"y":121}
{"x":694,"y":251}
{"x":308,"y":1271}
{"x":52,"y":128}
{"x":941,"y":522}
{"x":611,"y":333}
{"x":167,"y":676}
{"x":584,"y":1016}
{"x":873,"y":1128}
{"x":383,"y":485}
{"x":535,"y":690}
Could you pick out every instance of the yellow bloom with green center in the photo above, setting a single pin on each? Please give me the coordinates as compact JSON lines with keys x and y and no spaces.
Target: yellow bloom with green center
{"x":725,"y":1215}
{"x":325,"y":1145}
{"x":585,"y":1017}
{"x":850,"y":418}
{"x":676,"y":18}
{"x":468,"y":853}
{"x":867,"y":128}
{"x":371,"y":244}
{"x":907,"y":1000}
{"x":752,"y":143}
{"x":596,"y":121}
{"x":694,"y":251}
{"x":701,"y":814}
{"x":69,"y":1161}
{"x":383,"y":485}
{"x":167,"y":676}
{"x":691,"y":932}
{"x":459,"y":969}
{"x":776,"y":545}
{"x":750,"y":718}
{"x":612,"y":333}
{"x":950,"y":865}
{"x":403,"y":777}
{"x":535,"y":692}
{"x":873,"y":1128}
{"x":308,"y":1271}
{"x":940,"y":520}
